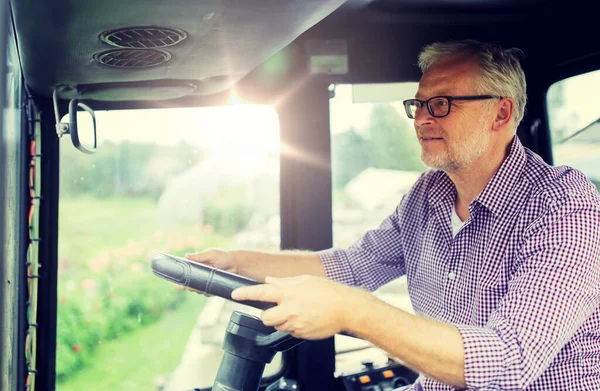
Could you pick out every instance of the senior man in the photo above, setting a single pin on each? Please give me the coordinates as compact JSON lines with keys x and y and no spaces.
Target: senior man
{"x":501,"y":251}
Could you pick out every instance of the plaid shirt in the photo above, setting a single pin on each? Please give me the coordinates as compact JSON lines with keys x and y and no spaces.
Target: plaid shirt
{"x":520,"y":280}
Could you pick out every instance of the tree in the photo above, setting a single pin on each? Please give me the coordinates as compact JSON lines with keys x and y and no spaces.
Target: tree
{"x":124,"y":169}
{"x":393,"y":142}
{"x":351,"y":154}
{"x":389,"y":143}
{"x":556,"y":105}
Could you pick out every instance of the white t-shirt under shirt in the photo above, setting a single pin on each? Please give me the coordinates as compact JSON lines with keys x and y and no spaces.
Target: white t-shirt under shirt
{"x":457,"y":223}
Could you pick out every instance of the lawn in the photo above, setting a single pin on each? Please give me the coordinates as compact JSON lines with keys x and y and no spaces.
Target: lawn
{"x":134,"y":361}
{"x":88,"y":225}
{"x":122,"y":228}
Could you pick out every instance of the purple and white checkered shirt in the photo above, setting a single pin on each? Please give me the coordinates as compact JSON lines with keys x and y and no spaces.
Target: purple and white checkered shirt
{"x":520,"y":280}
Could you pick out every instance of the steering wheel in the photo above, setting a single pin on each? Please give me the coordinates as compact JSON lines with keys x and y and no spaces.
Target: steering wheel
{"x":249,"y":345}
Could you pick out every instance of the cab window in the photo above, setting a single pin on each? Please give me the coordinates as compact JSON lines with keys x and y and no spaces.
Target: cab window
{"x":574,"y":119}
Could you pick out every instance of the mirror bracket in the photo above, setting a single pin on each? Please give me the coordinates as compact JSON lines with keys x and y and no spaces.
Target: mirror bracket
{"x":70,"y":127}
{"x":62,"y":128}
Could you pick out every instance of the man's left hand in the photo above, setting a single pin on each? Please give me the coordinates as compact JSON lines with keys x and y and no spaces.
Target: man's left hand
{"x":308,"y":307}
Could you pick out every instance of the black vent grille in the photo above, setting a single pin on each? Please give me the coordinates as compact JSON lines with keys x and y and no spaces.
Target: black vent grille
{"x":143,"y":37}
{"x":133,"y":58}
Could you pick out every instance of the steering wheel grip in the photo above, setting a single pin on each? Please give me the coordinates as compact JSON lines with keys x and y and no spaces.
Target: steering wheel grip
{"x":203,"y":278}
{"x":220,"y":283}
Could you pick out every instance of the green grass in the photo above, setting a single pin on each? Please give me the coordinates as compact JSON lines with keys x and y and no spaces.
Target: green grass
{"x":134,"y":361}
{"x":88,"y":225}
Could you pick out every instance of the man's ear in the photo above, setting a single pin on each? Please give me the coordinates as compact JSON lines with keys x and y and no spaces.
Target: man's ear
{"x":504,"y":114}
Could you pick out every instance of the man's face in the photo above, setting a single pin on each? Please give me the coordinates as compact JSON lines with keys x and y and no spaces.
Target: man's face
{"x":460,"y":139}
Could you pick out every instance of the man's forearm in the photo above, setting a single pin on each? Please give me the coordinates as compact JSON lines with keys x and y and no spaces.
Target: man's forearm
{"x":429,"y":347}
{"x":258,"y":265}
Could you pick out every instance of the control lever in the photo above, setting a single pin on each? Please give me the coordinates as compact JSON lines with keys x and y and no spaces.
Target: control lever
{"x":278,"y":340}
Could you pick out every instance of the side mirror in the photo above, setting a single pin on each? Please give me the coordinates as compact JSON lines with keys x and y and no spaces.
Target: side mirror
{"x":81,"y":125}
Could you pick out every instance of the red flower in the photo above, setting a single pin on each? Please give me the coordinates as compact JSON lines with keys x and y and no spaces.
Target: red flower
{"x":77,"y":348}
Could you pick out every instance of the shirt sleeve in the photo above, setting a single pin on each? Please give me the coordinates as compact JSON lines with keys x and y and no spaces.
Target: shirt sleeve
{"x":555,"y":288}
{"x":372,"y":261}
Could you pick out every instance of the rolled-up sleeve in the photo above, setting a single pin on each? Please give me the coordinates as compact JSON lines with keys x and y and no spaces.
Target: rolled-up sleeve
{"x":372,"y":261}
{"x":554,"y":290}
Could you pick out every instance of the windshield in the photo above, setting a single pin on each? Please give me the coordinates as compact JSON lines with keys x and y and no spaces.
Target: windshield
{"x":165,"y":180}
{"x":373,"y":146}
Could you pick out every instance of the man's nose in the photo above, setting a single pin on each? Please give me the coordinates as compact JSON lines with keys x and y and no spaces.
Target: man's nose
{"x":423,"y":116}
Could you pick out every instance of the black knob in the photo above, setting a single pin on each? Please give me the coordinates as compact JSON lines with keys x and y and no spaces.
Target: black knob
{"x":367,"y":363}
{"x":399,"y":381}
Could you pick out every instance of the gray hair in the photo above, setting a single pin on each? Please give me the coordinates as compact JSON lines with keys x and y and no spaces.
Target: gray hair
{"x":501,"y":72}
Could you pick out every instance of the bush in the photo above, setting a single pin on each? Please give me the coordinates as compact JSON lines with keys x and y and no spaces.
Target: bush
{"x":227,"y":219}
{"x":115,"y":306}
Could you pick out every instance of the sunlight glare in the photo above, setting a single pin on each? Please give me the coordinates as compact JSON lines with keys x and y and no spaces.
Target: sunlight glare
{"x":234,"y":99}
{"x":247,"y":134}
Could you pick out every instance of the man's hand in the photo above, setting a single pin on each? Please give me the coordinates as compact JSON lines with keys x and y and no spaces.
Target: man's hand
{"x":308,"y":307}
{"x":216,"y":258}
{"x":219,"y":259}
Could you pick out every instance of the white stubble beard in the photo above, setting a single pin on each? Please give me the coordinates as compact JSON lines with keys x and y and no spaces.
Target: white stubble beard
{"x":457,"y":157}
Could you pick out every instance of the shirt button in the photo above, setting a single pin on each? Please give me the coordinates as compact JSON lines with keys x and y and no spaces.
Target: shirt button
{"x":451,"y":276}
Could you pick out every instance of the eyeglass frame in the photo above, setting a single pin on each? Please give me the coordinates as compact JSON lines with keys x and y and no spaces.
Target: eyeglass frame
{"x":450,"y":98}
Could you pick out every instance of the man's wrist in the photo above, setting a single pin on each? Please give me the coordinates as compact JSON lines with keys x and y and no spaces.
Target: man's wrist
{"x":237,"y":265}
{"x":357,"y":316}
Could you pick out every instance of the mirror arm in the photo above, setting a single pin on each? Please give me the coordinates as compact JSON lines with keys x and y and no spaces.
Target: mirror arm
{"x":62,"y":128}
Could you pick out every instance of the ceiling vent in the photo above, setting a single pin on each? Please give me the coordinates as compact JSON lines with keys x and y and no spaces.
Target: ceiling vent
{"x":132,"y":58}
{"x":143,"y":37}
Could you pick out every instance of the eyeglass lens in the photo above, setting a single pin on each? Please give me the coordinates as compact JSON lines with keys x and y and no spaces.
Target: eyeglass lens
{"x":438,"y":107}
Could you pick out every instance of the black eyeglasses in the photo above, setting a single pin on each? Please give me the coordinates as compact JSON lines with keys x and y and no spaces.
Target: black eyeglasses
{"x":439,"y":106}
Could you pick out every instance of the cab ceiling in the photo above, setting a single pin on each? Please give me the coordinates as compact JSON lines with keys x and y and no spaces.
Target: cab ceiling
{"x":225,"y":38}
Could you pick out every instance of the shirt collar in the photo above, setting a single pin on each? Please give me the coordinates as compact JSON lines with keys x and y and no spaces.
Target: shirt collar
{"x":442,"y":189}
{"x":495,"y":195}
